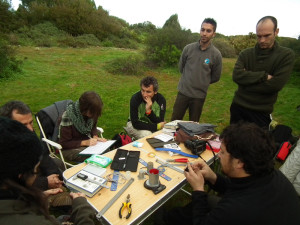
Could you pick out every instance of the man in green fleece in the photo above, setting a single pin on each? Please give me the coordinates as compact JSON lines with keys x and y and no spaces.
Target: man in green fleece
{"x":200,"y":65}
{"x":260,"y":73}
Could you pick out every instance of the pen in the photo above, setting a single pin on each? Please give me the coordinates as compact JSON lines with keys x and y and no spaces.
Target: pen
{"x":126,"y":160}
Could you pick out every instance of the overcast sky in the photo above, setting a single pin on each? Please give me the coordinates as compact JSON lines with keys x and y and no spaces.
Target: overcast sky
{"x":233,"y":16}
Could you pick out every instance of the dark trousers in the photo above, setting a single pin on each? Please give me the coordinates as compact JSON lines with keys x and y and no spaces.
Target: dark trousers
{"x":182,"y":103}
{"x":239,"y":113}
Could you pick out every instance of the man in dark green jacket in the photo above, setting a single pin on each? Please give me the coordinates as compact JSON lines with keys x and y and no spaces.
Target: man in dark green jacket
{"x":260,"y":73}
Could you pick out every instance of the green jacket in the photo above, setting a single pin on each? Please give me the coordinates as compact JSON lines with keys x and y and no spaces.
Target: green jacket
{"x":250,"y":73}
{"x":16,"y":212}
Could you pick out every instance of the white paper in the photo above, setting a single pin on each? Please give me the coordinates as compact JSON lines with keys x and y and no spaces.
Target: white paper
{"x":164,"y":137}
{"x":97,"y":149}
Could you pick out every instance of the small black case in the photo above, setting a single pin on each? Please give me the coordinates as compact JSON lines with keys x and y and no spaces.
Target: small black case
{"x":125,"y":160}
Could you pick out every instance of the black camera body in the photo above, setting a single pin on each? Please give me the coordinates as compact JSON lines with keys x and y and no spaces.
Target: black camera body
{"x":196,"y":146}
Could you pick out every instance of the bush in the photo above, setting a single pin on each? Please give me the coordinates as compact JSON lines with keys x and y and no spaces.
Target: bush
{"x":226,"y":49}
{"x":131,"y":65}
{"x":43,"y":35}
{"x":168,"y":55}
{"x":9,"y":65}
{"x":297,"y":64}
{"x":164,"y":46}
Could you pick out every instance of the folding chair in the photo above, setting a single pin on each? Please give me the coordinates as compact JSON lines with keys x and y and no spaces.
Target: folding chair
{"x":47,"y":120}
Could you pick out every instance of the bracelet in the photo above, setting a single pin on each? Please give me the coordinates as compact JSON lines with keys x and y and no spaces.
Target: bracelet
{"x":148,"y":113}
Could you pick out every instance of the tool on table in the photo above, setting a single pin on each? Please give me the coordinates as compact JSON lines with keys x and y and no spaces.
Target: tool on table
{"x":115,"y":179}
{"x":182,"y":160}
{"x":177,"y":151}
{"x":160,"y":173}
{"x":85,"y":177}
{"x":111,"y":202}
{"x":170,"y":166}
{"x":127,"y":205}
{"x":153,"y":182}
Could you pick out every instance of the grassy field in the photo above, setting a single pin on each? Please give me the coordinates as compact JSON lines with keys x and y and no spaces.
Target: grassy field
{"x":53,"y":74}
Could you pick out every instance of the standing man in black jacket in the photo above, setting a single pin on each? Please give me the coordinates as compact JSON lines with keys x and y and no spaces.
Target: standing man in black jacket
{"x":147,"y":110}
{"x":50,"y":174}
{"x":253,"y":192}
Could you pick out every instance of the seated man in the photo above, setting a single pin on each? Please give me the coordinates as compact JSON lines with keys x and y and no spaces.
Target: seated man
{"x":20,"y":201}
{"x":291,"y":167}
{"x":50,"y":173}
{"x":147,"y":110}
{"x":253,"y":192}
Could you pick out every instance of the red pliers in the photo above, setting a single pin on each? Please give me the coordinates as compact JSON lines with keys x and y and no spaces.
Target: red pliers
{"x":182,"y":160}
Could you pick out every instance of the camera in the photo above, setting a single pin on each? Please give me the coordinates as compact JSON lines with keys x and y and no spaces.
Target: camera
{"x":196,"y":146}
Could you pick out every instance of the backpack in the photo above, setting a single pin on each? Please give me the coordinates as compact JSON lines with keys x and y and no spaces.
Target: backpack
{"x":284,"y":141}
{"x":121,"y":139}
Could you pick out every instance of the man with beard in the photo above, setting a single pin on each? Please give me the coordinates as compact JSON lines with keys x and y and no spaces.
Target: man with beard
{"x":252,"y":191}
{"x":147,"y":110}
{"x":200,"y":65}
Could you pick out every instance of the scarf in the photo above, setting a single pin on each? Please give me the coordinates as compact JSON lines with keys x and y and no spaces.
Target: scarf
{"x":74,"y":114}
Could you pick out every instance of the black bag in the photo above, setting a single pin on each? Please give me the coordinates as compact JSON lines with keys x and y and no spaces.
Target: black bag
{"x":282,"y":134}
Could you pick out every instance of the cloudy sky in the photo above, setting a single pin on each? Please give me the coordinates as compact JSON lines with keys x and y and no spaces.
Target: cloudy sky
{"x":233,"y":16}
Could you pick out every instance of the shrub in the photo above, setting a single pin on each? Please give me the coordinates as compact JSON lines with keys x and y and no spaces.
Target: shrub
{"x":9,"y":65}
{"x":168,"y":55}
{"x":297,"y":64}
{"x":241,"y":42}
{"x":131,"y":65}
{"x":226,"y":49}
{"x":164,"y":46}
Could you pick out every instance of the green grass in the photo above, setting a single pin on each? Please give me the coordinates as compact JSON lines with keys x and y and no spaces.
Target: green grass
{"x":53,"y":74}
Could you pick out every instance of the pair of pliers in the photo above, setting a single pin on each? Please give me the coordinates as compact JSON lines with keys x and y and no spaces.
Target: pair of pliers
{"x":127,"y":205}
{"x":182,"y":160}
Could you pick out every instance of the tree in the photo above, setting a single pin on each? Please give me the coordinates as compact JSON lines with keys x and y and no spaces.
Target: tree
{"x":6,"y":16}
{"x":172,"y":22}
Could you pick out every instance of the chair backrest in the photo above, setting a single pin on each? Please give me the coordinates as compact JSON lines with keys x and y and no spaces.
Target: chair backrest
{"x":48,"y":118}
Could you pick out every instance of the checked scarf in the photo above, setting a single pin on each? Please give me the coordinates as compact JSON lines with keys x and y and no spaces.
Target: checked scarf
{"x":73,"y":116}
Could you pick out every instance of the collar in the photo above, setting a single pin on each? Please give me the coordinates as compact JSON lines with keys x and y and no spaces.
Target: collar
{"x":237,"y":183}
{"x":267,"y":51}
{"x":199,"y":46}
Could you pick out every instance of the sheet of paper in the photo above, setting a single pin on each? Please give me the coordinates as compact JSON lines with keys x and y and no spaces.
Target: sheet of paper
{"x":164,"y":137}
{"x":98,"y":149}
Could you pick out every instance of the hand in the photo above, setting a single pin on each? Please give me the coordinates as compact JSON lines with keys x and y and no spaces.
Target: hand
{"x":148,"y":104}
{"x":54,"y":181}
{"x":162,"y":124}
{"x":195,"y":178}
{"x":76,"y":195}
{"x":89,"y":142}
{"x":52,"y":191}
{"x":205,"y":170}
{"x":269,"y":77}
{"x":101,"y":139}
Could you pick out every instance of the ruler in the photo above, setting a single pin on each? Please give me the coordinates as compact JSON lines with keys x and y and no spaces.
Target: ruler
{"x":115,"y":179}
{"x":160,"y":173}
{"x":112,"y":201}
{"x":170,"y":166}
